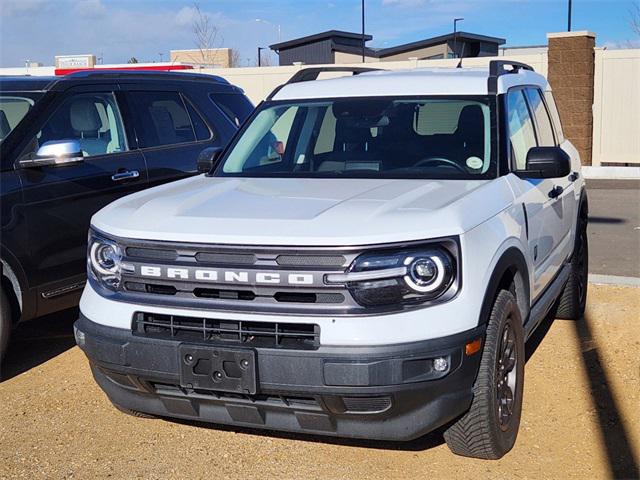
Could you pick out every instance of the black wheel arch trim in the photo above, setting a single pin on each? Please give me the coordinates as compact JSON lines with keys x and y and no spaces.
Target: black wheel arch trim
{"x":511,"y":261}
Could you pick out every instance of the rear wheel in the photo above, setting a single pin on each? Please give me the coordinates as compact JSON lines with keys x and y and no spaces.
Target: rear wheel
{"x":573,"y":300}
{"x":490,"y":427}
{"x":5,"y":322}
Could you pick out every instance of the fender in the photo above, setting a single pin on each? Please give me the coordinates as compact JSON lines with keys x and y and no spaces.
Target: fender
{"x":512,"y":260}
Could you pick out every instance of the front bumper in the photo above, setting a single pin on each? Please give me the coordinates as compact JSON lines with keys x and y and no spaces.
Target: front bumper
{"x":381,"y":392}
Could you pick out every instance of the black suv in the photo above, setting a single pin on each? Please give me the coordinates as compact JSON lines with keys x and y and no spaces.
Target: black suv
{"x":71,"y":145}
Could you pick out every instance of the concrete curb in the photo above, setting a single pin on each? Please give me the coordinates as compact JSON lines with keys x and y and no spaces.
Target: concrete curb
{"x":611,"y":173}
{"x":614,"y":280}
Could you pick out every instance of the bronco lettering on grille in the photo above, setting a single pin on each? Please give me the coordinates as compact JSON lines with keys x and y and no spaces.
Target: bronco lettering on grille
{"x":225,"y":276}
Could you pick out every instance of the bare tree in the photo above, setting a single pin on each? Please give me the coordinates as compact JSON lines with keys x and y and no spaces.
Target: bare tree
{"x":205,"y":35}
{"x":635,"y":18}
{"x":265,"y":59}
{"x":132,"y":60}
{"x":235,"y":61}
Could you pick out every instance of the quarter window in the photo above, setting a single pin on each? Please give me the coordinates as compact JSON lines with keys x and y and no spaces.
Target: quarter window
{"x":234,"y":105}
{"x":12,"y":111}
{"x":521,"y":132}
{"x":545,"y":130}
{"x":553,"y":111}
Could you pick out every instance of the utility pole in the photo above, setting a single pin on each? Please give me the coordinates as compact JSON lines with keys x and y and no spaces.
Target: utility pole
{"x":363,"y":40}
{"x":455,"y":36}
{"x":569,"y":18}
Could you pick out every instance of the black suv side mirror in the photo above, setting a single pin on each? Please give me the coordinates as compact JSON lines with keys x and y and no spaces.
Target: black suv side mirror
{"x":546,"y":162}
{"x":208,"y":158}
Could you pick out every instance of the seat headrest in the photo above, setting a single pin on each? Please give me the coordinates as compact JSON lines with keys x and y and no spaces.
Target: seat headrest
{"x":84,"y":115}
{"x":471,"y":117}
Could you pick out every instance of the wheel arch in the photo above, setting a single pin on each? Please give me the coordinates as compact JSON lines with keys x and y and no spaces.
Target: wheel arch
{"x":510,"y":273}
{"x":12,"y":287}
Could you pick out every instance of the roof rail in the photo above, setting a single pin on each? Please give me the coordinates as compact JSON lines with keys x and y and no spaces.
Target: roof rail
{"x":497,"y":68}
{"x":312,"y":73}
{"x":130,"y":73}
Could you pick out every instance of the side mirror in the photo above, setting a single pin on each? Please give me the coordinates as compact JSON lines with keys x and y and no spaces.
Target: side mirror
{"x":546,"y":162}
{"x":207,"y":159}
{"x":56,"y":153}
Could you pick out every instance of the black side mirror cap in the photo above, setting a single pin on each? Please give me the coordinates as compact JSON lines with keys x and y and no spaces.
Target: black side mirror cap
{"x":208,"y":158}
{"x":546,"y":162}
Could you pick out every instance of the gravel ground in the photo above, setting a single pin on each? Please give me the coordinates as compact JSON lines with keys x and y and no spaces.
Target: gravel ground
{"x":581,"y":418}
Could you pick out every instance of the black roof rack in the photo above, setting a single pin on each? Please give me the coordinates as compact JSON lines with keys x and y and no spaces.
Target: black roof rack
{"x":312,"y":73}
{"x":497,"y":68}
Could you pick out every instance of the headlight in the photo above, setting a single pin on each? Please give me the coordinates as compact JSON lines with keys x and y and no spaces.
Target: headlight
{"x":105,"y":261}
{"x":400,"y":277}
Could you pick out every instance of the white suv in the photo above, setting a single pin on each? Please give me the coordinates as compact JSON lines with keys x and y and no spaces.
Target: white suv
{"x":366,"y":259}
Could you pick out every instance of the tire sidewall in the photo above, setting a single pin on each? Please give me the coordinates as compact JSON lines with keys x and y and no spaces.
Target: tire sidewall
{"x":505,"y":311}
{"x":5,"y":323}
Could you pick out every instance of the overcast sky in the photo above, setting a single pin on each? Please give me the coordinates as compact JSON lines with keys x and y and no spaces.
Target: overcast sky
{"x":37,"y":30}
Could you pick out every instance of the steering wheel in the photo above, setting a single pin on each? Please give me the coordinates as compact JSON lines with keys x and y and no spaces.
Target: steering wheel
{"x":441,"y":161}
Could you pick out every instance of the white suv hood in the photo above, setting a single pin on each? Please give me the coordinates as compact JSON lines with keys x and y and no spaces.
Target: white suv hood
{"x":314,"y":212}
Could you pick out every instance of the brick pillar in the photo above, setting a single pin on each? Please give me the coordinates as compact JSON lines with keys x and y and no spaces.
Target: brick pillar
{"x":571,"y":75}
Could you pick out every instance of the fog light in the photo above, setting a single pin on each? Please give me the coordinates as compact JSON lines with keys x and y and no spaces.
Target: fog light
{"x":80,"y":339}
{"x":440,"y":364}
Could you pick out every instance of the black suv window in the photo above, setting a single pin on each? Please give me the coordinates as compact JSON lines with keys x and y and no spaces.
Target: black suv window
{"x":165,"y":119}
{"x":234,"y":105}
{"x":93,"y":119}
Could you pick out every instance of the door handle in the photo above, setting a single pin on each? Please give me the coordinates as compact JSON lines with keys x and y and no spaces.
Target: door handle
{"x":126,"y":175}
{"x":556,"y":191}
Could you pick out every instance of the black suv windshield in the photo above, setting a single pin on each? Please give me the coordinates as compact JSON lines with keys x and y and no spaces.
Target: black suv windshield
{"x":435,"y":137}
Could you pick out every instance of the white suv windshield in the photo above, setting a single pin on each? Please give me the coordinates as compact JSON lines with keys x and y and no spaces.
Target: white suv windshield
{"x":367,"y":137}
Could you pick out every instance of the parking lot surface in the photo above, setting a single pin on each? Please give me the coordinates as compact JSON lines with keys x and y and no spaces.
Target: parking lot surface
{"x":580,"y":417}
{"x":614,"y":227}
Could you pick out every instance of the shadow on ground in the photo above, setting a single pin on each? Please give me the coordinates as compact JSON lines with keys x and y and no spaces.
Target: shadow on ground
{"x":37,"y":341}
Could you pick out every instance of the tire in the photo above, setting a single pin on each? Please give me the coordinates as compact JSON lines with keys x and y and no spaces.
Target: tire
{"x":573,"y":299}
{"x":490,"y":427}
{"x":134,"y":413}
{"x":5,"y":323}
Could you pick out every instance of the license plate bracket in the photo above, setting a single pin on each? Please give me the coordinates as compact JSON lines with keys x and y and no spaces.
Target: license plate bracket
{"x":218,"y":369}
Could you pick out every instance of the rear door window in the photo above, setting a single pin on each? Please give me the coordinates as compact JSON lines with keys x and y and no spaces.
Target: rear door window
{"x":163,"y":118}
{"x":235,"y":106}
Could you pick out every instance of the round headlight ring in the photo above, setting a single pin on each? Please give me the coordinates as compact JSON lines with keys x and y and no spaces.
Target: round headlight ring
{"x":413,"y":280}
{"x":105,"y":257}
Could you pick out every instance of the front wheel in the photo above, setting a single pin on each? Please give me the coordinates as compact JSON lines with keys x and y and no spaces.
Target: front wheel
{"x":490,"y":427}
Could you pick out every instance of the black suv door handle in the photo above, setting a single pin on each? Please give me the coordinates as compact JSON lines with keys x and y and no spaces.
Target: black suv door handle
{"x":126,"y":175}
{"x":556,"y":191}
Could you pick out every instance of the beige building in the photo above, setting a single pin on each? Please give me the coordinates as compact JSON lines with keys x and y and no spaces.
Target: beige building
{"x":210,"y":57}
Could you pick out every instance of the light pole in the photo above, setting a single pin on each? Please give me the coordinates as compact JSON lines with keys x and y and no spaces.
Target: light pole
{"x":455,"y":36}
{"x":259,"y":55}
{"x":569,"y":18}
{"x":363,"y":39}
{"x":277,"y":27}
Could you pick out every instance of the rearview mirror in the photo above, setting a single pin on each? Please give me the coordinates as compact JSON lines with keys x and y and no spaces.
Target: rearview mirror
{"x":207,"y":159}
{"x":55,"y":153}
{"x":546,"y":162}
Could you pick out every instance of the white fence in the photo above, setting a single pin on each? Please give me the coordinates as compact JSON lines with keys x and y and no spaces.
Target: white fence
{"x":258,"y":82}
{"x":616,"y":107}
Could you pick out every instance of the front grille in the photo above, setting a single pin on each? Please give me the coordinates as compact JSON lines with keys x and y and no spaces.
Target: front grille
{"x":253,"y":334}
